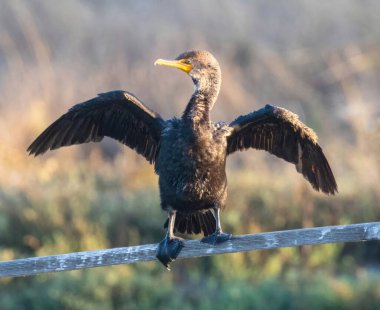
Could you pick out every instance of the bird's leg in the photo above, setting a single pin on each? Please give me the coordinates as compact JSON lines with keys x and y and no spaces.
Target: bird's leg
{"x":218,"y":236}
{"x":169,"y":248}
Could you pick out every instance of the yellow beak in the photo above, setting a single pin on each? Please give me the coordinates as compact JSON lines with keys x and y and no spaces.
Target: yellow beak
{"x":179,"y":64}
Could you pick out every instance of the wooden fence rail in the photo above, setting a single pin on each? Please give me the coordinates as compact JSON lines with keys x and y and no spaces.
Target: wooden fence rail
{"x":192,"y":248}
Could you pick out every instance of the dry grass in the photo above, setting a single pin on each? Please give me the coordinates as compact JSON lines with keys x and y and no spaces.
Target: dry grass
{"x":55,"y":56}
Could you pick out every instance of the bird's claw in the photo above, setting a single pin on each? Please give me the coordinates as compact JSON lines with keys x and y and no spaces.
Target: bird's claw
{"x":216,"y":237}
{"x":168,"y":250}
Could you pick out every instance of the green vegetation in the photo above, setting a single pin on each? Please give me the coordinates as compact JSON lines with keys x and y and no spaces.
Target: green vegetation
{"x":82,"y":209}
{"x":319,"y":60}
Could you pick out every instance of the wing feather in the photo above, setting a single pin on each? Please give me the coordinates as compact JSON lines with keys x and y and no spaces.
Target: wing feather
{"x":116,"y":114}
{"x":281,"y":133}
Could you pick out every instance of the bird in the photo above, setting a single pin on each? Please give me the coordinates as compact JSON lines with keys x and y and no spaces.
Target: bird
{"x":189,"y":152}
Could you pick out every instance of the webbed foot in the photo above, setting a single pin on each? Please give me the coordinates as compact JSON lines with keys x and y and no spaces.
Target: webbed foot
{"x":216,"y":237}
{"x":168,"y":250}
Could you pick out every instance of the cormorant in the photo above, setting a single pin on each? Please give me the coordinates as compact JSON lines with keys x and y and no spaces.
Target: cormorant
{"x":189,"y":153}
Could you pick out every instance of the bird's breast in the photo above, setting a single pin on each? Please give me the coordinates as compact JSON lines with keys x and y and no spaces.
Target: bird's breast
{"x":191,"y":166}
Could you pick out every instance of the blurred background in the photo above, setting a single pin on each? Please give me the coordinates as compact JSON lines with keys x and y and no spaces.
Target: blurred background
{"x":319,"y":59}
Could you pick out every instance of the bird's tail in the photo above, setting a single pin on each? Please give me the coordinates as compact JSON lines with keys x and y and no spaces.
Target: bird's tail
{"x":194,"y":223}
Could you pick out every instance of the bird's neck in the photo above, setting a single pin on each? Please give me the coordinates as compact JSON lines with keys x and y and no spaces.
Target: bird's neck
{"x":203,"y":99}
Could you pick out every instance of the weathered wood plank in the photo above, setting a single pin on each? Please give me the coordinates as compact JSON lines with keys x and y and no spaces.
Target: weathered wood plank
{"x":192,"y":248}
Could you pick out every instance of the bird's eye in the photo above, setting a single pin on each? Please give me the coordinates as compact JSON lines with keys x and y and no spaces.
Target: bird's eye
{"x":186,"y":61}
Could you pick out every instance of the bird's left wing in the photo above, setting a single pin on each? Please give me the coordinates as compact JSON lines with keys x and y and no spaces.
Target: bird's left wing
{"x":116,"y":114}
{"x":281,"y":133}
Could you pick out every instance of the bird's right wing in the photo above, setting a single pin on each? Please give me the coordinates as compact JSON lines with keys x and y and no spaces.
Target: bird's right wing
{"x":116,"y":114}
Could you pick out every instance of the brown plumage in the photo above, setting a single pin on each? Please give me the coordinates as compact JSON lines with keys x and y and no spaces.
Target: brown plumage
{"x":189,"y":153}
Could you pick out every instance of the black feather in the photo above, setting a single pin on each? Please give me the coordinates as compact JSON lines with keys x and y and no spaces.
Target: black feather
{"x":281,"y":133}
{"x":117,"y":114}
{"x":190,"y":153}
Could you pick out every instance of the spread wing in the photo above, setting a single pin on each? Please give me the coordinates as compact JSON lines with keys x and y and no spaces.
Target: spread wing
{"x":281,"y":133}
{"x":116,"y":114}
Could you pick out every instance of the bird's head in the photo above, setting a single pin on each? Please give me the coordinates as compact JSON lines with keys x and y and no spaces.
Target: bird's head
{"x":202,"y":67}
